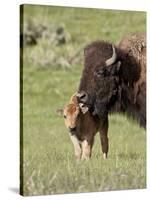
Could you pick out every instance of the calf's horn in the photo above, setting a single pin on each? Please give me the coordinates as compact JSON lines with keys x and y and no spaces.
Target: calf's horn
{"x":111,"y":60}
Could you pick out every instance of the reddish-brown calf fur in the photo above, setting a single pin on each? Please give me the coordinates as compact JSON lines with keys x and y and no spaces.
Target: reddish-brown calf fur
{"x":83,"y":128}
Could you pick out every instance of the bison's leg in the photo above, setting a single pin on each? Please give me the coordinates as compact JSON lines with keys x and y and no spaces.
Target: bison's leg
{"x":87,"y":148}
{"x":77,"y":147}
{"x":104,"y":137}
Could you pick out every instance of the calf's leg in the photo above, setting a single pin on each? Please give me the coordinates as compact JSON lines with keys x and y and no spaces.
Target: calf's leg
{"x":87,"y":148}
{"x":77,"y":146}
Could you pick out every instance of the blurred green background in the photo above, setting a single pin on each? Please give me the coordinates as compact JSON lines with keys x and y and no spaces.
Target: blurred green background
{"x":52,"y":42}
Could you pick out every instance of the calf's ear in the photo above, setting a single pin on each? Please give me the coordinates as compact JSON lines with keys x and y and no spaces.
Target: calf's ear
{"x":84,"y":109}
{"x":60,"y":112}
{"x":74,"y":98}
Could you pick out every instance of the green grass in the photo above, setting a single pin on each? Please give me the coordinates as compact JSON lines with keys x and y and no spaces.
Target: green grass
{"x":48,"y":156}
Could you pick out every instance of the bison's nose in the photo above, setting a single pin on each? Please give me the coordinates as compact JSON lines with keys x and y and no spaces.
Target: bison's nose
{"x":72,"y":129}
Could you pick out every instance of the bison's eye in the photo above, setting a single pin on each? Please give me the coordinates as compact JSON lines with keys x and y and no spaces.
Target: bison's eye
{"x":100,"y":72}
{"x":65,"y":116}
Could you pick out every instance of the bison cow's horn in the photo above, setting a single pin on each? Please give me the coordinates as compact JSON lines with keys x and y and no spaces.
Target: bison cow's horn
{"x":111,"y":60}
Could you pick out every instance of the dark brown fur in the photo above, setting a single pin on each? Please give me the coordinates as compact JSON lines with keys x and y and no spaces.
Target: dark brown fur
{"x":112,"y":88}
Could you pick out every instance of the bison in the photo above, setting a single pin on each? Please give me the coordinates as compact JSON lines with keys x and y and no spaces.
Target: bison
{"x":82,"y":127}
{"x":114,"y":79}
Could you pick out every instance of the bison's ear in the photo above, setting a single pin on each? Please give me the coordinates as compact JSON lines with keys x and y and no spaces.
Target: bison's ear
{"x":84,"y":109}
{"x":114,"y":69}
{"x":60,"y":112}
{"x":118,"y":65}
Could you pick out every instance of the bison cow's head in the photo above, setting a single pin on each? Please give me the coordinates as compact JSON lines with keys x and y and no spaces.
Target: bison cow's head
{"x":99,"y":84}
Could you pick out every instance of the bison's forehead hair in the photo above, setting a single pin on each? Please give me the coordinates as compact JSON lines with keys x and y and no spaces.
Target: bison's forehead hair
{"x":71,"y":108}
{"x":98,"y":49}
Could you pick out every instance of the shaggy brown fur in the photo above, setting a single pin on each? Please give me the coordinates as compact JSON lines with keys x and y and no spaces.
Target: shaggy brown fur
{"x":119,"y":87}
{"x":135,"y":45}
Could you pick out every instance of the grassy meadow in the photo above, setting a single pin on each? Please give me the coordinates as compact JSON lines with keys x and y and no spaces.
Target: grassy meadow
{"x":49,"y":165}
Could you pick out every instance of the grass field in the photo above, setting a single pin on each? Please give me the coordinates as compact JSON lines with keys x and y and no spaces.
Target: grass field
{"x":49,"y":166}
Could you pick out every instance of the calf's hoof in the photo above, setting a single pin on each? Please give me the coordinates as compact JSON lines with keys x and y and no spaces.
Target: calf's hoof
{"x":104,"y":156}
{"x":84,"y":157}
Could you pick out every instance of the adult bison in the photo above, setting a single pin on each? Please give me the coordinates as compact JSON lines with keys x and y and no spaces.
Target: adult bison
{"x":114,"y":79}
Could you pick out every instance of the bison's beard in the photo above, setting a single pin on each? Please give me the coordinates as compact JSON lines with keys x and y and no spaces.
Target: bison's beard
{"x":106,"y":95}
{"x":103,"y":98}
{"x":103,"y":106}
{"x":100,"y":110}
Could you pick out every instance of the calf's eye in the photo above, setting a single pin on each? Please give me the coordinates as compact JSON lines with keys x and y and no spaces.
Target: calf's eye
{"x":65,"y":116}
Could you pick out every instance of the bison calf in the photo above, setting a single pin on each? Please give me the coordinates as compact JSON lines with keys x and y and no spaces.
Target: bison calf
{"x":83,"y":127}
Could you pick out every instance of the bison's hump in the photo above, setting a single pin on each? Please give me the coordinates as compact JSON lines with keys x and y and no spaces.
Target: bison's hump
{"x":134,"y":44}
